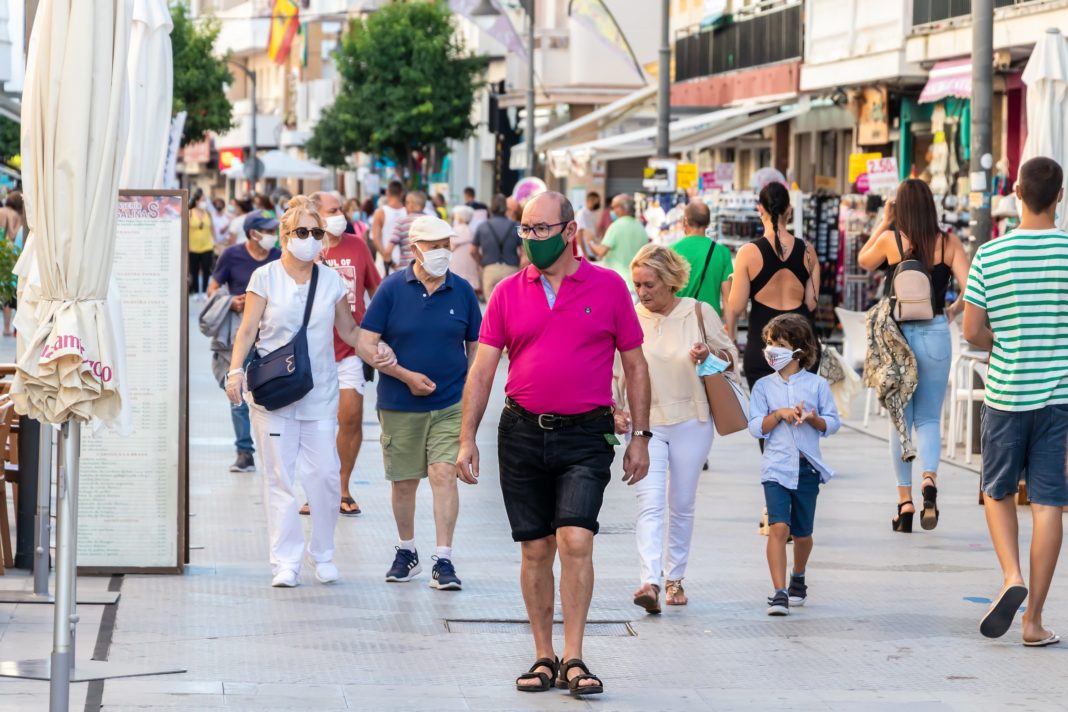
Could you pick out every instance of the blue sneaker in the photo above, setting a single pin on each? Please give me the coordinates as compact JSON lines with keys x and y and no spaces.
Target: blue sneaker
{"x":405,"y":566}
{"x":444,"y":576}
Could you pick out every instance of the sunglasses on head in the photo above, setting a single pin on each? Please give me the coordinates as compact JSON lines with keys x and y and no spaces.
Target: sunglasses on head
{"x":303,"y":232}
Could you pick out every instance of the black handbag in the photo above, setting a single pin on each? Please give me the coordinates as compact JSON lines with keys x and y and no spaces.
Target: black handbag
{"x":284,"y":376}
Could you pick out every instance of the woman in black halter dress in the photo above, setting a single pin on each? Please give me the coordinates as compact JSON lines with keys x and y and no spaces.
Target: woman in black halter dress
{"x":776,"y":269}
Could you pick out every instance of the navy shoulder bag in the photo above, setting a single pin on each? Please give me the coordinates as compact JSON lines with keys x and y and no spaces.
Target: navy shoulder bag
{"x":284,"y":376}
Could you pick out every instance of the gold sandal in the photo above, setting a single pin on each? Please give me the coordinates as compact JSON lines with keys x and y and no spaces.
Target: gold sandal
{"x":674,"y":591}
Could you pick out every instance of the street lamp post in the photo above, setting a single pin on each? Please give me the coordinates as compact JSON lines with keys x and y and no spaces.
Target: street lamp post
{"x":251,"y":169}
{"x":663,"y":99}
{"x":487,"y":11}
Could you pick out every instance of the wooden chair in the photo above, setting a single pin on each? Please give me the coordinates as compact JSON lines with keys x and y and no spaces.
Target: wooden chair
{"x":7,"y":416}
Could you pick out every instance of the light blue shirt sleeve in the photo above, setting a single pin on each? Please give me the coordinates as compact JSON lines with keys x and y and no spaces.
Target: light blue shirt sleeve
{"x":827,"y":409}
{"x":758,"y":409}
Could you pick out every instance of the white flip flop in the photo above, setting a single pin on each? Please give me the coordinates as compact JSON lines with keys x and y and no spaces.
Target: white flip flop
{"x":1048,"y":640}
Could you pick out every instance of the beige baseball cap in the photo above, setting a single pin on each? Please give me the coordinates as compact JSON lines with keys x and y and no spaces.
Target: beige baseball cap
{"x":429,"y":228}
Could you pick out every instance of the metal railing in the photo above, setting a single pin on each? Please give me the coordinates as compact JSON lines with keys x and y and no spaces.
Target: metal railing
{"x":932,"y":12}
{"x":764,"y":38}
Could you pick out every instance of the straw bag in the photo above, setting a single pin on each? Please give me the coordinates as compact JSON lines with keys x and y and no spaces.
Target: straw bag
{"x":727,"y":402}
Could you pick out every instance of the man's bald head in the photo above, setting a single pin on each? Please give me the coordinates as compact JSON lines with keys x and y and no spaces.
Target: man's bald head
{"x":697,"y":218}
{"x":547,"y":203}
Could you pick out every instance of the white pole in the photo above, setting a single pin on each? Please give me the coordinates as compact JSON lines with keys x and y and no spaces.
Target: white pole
{"x":66,"y":568}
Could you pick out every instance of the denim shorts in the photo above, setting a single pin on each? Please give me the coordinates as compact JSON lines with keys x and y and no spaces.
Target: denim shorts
{"x":553,"y":478}
{"x":796,"y":508}
{"x":1026,"y":445}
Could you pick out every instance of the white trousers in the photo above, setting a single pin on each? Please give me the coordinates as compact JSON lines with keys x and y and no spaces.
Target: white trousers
{"x":680,"y":449}
{"x":287,"y":446}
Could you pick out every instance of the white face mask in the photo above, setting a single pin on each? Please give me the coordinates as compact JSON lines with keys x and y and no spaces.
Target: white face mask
{"x":305,"y":250}
{"x":335,"y":225}
{"x":436,"y":262}
{"x":779,"y":357}
{"x":266,"y":241}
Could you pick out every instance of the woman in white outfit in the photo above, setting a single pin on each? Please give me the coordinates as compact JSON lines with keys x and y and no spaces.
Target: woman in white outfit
{"x":681,"y":425}
{"x":300,"y":436}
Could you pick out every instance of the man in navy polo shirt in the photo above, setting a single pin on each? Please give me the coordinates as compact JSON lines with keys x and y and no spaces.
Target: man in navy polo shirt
{"x":431,"y":318}
{"x":233,"y":271}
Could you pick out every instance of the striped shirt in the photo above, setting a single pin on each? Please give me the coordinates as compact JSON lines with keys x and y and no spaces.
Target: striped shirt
{"x":403,"y":257}
{"x":1021,"y":280}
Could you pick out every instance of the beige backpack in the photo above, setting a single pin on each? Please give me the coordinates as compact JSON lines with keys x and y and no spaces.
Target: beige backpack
{"x":911,"y":293}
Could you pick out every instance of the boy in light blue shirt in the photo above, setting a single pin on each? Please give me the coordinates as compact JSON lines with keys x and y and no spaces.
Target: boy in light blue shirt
{"x":791,"y":410}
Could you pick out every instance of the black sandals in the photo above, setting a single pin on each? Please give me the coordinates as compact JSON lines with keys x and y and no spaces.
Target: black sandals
{"x":903,"y":521}
{"x":574,"y":684}
{"x":546,"y":679}
{"x":929,"y":514}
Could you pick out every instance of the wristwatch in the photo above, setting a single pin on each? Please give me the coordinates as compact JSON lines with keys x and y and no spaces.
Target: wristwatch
{"x":642,"y":433}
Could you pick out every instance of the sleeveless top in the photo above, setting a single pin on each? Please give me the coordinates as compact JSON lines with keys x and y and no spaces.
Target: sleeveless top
{"x":756,"y":366}
{"x":390,"y":217}
{"x":940,"y":276}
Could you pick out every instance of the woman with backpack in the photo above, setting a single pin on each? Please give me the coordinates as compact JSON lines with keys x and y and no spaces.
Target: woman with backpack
{"x":919,"y":260}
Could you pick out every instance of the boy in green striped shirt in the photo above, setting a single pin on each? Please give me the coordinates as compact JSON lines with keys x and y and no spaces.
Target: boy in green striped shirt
{"x":1016,"y":306}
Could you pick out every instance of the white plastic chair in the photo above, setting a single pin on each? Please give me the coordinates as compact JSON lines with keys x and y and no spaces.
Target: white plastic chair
{"x":855,"y":348}
{"x":963,"y":395}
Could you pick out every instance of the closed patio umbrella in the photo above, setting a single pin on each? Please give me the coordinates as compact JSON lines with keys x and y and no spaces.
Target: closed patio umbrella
{"x":1046,"y":77}
{"x":74,"y":122}
{"x":151,"y":75}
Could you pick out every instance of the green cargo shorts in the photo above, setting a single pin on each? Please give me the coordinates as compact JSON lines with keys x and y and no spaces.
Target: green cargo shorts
{"x":413,"y":441}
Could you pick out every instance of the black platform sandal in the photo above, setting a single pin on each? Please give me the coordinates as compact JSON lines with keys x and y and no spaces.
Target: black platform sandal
{"x":903,"y":521}
{"x":574,"y":685}
{"x":546,"y":680}
{"x":929,"y":514}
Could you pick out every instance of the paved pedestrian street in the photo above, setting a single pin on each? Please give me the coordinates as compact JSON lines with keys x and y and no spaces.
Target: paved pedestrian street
{"x":891,"y":621}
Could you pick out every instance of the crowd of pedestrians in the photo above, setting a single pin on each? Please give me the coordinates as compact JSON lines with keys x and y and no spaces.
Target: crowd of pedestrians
{"x":426,"y":301}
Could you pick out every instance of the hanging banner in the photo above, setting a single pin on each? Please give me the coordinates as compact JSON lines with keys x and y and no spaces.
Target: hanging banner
{"x":858,"y":164}
{"x":686,"y":175}
{"x":874,"y":125}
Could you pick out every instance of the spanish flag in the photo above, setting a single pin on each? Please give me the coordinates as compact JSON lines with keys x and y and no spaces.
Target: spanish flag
{"x":285,"y":22}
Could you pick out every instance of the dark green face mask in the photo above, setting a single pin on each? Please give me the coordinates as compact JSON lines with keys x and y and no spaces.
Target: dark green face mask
{"x":543,"y":253}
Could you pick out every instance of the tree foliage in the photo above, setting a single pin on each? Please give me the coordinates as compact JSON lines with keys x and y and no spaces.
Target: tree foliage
{"x":200,"y":77}
{"x":407,"y":85}
{"x":10,"y":139}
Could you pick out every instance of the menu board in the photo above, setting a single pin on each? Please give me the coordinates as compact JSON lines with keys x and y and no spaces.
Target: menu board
{"x":132,"y":487}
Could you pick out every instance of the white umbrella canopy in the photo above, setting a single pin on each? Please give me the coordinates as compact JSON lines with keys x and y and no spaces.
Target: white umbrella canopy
{"x":279,"y":164}
{"x":76,"y":69}
{"x":151,"y":76}
{"x":1046,"y":77}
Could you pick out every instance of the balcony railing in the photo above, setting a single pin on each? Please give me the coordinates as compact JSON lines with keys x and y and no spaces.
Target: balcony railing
{"x":929,"y":12}
{"x":764,"y":38}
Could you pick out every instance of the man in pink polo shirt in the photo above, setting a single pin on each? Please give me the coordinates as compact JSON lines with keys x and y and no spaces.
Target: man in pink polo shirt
{"x":561,"y":320}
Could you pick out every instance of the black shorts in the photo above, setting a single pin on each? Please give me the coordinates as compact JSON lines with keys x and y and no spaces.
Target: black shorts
{"x":553,"y":478}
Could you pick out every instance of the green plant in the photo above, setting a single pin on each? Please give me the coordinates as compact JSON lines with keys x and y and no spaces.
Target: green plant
{"x":200,"y":77}
{"x":7,"y":271}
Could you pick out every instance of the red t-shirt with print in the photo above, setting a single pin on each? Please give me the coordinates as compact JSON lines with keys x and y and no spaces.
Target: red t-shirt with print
{"x":352,"y":259}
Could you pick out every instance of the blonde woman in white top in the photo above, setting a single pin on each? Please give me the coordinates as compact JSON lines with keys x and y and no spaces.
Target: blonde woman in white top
{"x":300,"y":435}
{"x":681,"y":424}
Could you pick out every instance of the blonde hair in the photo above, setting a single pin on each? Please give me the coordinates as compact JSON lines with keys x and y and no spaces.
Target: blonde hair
{"x":298,"y":207}
{"x":669,"y":266}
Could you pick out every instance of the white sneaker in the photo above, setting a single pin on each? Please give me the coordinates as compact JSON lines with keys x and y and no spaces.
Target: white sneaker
{"x":326,"y":572}
{"x":285,"y":579}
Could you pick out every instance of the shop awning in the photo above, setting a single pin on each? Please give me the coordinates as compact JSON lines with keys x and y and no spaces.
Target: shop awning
{"x":690,"y":134}
{"x":603,"y":114}
{"x":951,"y":78}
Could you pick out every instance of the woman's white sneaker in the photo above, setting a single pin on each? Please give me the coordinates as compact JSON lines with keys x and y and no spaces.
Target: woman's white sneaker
{"x":285,"y":579}
{"x":326,"y":572}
